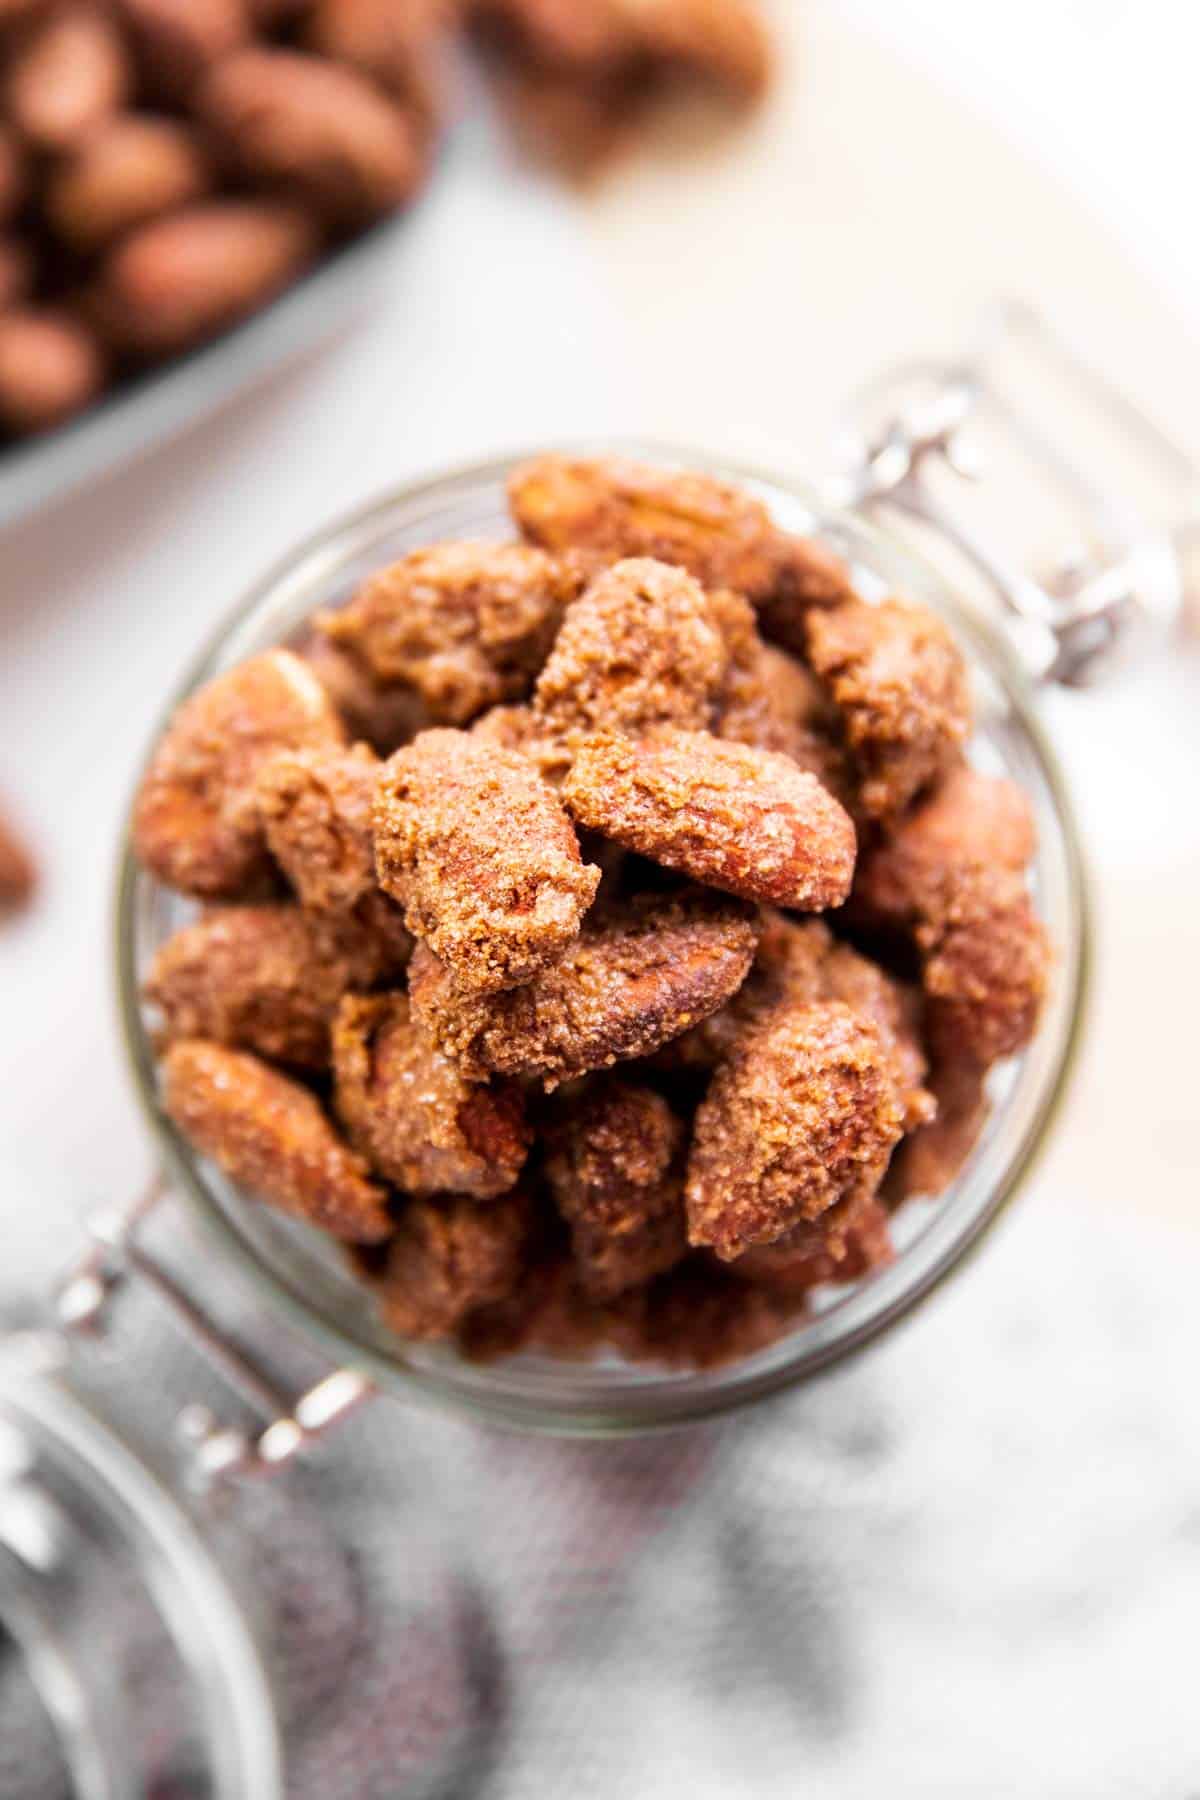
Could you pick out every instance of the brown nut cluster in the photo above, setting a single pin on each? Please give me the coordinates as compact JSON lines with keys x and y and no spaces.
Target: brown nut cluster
{"x":169,"y":167}
{"x":578,"y":74}
{"x":18,"y":871}
{"x":672,"y":1041}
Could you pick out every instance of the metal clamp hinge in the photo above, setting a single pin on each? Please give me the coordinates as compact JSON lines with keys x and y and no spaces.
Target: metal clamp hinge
{"x":1120,"y":571}
{"x":212,"y":1450}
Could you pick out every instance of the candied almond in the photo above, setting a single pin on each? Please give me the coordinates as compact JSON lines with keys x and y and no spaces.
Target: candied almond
{"x":803,"y":1113}
{"x":267,"y":978}
{"x":640,"y":647}
{"x":65,"y":75}
{"x":196,"y":821}
{"x":373,"y":713}
{"x":316,"y":807}
{"x":630,"y":983}
{"x":613,"y":1164}
{"x":51,"y":367}
{"x":899,"y":683}
{"x":930,"y":1159}
{"x":951,"y":876}
{"x":316,"y":127}
{"x":482,"y":856}
{"x":270,"y":1137}
{"x":720,"y":535}
{"x":18,"y":872}
{"x":463,"y":626}
{"x":410,"y":1112}
{"x":811,"y":1255}
{"x":747,"y":821}
{"x":450,"y":1256}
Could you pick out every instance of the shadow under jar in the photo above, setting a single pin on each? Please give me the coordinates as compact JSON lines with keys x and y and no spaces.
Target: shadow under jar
{"x":305,"y":1277}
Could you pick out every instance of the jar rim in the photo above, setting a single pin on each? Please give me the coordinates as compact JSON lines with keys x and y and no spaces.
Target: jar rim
{"x":895,"y":1291}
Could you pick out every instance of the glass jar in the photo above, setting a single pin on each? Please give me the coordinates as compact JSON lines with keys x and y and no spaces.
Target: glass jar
{"x":303,"y":1278}
{"x":128,"y":1670}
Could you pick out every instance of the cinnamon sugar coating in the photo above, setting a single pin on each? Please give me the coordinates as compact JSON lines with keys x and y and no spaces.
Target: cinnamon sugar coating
{"x":899,"y":684}
{"x":373,"y":713}
{"x":811,"y":1255}
{"x":450,"y":1256}
{"x":632,"y":981}
{"x":196,"y":822}
{"x":895,"y":1012}
{"x":411,"y":1113}
{"x":624,"y":757}
{"x":801,"y":1115}
{"x":697,"y":1316}
{"x":986,"y":977}
{"x":952,"y":876}
{"x":614,"y":1166}
{"x":789,"y":969}
{"x":799,"y":962}
{"x":773,"y":701}
{"x":270,"y":1137}
{"x":972,"y":825}
{"x":519,"y":728}
{"x":267,"y":978}
{"x":317,"y":811}
{"x":620,"y":508}
{"x":639,"y":648}
{"x":462,"y":626}
{"x":482,"y":857}
{"x":747,"y":821}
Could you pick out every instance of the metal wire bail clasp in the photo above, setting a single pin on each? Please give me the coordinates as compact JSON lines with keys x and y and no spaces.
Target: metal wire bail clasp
{"x":212,"y":1450}
{"x":1104,"y":500}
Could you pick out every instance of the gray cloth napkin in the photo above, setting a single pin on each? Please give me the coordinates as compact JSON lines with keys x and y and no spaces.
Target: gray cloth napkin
{"x":966,"y":1563}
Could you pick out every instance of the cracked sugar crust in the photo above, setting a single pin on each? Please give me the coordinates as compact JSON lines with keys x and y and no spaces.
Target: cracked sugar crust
{"x":480,"y":853}
{"x":747,"y":821}
{"x":450,"y":1256}
{"x":196,"y":823}
{"x":270,"y":1137}
{"x":899,"y":683}
{"x":460,"y":626}
{"x":266,"y":978}
{"x":801,"y":1115}
{"x":411,"y":1113}
{"x":640,"y":647}
{"x":633,"y":981}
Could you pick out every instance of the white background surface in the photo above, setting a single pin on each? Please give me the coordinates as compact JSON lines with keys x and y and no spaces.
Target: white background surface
{"x":920,"y":156}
